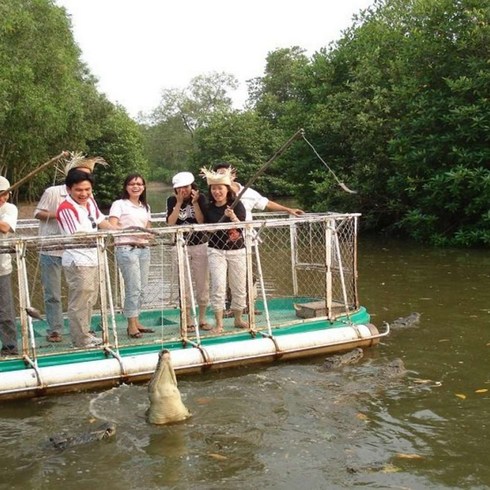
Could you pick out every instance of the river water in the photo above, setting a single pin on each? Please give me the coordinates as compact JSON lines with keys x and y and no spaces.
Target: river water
{"x":295,"y":425}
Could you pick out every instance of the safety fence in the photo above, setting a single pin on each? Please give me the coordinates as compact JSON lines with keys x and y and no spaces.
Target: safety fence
{"x":275,"y":259}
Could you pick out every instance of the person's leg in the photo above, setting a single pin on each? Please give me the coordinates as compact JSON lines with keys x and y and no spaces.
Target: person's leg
{"x":237,"y":276}
{"x":51,"y":281}
{"x":128,"y":262}
{"x":82,"y":295}
{"x":8,"y":330}
{"x":200,"y":274}
{"x":144,"y":268}
{"x":217,"y":268}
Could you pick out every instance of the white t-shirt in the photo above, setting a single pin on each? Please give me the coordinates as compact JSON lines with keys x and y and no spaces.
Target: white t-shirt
{"x":50,"y":200}
{"x":251,"y":199}
{"x":130,"y":214}
{"x":8,"y":214}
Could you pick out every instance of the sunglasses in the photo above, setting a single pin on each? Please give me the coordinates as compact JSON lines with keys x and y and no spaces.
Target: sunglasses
{"x":94,"y":224}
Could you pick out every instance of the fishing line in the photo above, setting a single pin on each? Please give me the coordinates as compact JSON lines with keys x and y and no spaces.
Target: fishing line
{"x":341,"y":184}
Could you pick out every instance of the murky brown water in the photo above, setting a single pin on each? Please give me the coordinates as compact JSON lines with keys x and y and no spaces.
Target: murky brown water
{"x":293,"y":425}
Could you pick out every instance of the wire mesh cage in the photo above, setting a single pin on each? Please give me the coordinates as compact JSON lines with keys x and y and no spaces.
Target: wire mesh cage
{"x":278,"y":268}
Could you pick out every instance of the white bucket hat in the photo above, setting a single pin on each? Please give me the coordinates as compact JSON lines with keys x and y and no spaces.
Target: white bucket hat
{"x":182,"y":179}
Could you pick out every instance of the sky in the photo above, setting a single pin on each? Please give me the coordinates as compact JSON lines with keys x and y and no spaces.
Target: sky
{"x":138,"y":48}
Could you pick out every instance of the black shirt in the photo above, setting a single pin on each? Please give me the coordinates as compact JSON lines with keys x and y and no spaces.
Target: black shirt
{"x":225,"y":239}
{"x":187,"y":216}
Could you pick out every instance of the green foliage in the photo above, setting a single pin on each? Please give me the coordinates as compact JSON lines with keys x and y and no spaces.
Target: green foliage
{"x":170,"y":130}
{"x":399,"y":109}
{"x":49,"y":102}
{"x":247,"y":141}
{"x":121,"y":144}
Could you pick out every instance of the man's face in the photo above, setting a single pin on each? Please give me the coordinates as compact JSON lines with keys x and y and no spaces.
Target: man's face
{"x":4,"y":198}
{"x":81,"y":192}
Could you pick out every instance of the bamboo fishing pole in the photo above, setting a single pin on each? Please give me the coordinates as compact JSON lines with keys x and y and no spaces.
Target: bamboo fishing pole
{"x":63,"y":154}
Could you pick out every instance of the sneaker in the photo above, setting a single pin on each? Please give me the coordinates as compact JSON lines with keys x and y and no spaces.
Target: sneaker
{"x":93,"y":342}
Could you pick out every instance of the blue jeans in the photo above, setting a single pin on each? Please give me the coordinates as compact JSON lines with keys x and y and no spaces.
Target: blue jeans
{"x":51,"y":280}
{"x":134,"y":264}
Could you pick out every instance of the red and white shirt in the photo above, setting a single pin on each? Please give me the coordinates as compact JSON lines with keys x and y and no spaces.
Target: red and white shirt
{"x":75,"y":218}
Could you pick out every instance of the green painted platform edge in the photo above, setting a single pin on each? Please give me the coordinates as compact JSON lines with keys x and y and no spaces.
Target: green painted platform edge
{"x":359,"y":317}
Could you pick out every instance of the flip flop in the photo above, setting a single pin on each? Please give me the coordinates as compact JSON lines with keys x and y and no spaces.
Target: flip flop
{"x":54,"y":337}
{"x":205,"y":326}
{"x":146,"y":330}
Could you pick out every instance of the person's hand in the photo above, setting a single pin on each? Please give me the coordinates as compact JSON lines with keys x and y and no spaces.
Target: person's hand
{"x":230,"y":213}
{"x":296,"y":212}
{"x":180,"y":196}
{"x":194,"y":196}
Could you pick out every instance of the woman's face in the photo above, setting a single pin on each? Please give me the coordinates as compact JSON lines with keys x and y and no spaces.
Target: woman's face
{"x":219,"y":193}
{"x":135,"y":187}
{"x":184,"y":192}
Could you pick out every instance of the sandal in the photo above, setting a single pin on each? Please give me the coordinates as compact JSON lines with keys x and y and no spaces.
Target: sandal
{"x":205,"y":326}
{"x":146,"y":330}
{"x":135,"y":335}
{"x":54,"y":337}
{"x":191,"y":328}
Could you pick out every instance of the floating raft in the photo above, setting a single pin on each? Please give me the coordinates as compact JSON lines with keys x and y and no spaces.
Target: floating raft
{"x":304,"y":303}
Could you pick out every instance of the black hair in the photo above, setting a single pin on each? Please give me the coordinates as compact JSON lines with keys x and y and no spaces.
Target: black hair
{"x":125,"y":193}
{"x":219,"y":165}
{"x":75,"y":176}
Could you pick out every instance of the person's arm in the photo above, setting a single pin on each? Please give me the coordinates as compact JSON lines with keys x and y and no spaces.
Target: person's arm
{"x":197,"y":200}
{"x":45,"y":204}
{"x":107,"y":225}
{"x":5,"y":227}
{"x":275,"y":206}
{"x":44,"y":214}
{"x":173,"y":216}
{"x":113,"y":220}
{"x":237,"y":214}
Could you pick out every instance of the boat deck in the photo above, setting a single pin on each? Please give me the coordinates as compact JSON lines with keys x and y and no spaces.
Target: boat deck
{"x":167,"y":327}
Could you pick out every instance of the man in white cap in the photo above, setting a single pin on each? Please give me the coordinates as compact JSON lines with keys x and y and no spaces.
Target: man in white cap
{"x":8,"y":222}
{"x":185,"y":207}
{"x":50,"y":261}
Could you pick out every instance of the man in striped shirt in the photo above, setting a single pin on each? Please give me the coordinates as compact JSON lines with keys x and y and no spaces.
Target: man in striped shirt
{"x":79,"y":213}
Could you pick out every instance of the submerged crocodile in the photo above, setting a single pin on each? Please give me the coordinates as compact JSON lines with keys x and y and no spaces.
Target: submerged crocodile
{"x":406,"y":321}
{"x":166,"y":405}
{"x":338,"y":360}
{"x":393,"y":369}
{"x":104,"y":431}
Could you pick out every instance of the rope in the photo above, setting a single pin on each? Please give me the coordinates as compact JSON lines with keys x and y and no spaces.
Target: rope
{"x":341,"y":184}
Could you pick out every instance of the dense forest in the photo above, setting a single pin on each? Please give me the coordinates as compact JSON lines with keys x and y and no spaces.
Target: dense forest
{"x":398,"y":108}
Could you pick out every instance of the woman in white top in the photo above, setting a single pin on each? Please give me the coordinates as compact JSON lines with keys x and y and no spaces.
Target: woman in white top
{"x":132,"y":252}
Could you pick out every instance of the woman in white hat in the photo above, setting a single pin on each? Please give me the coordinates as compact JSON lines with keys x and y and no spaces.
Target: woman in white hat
{"x":184,"y":208}
{"x":8,"y":222}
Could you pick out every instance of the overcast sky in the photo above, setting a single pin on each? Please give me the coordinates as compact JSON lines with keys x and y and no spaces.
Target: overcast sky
{"x":137,"y":48}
